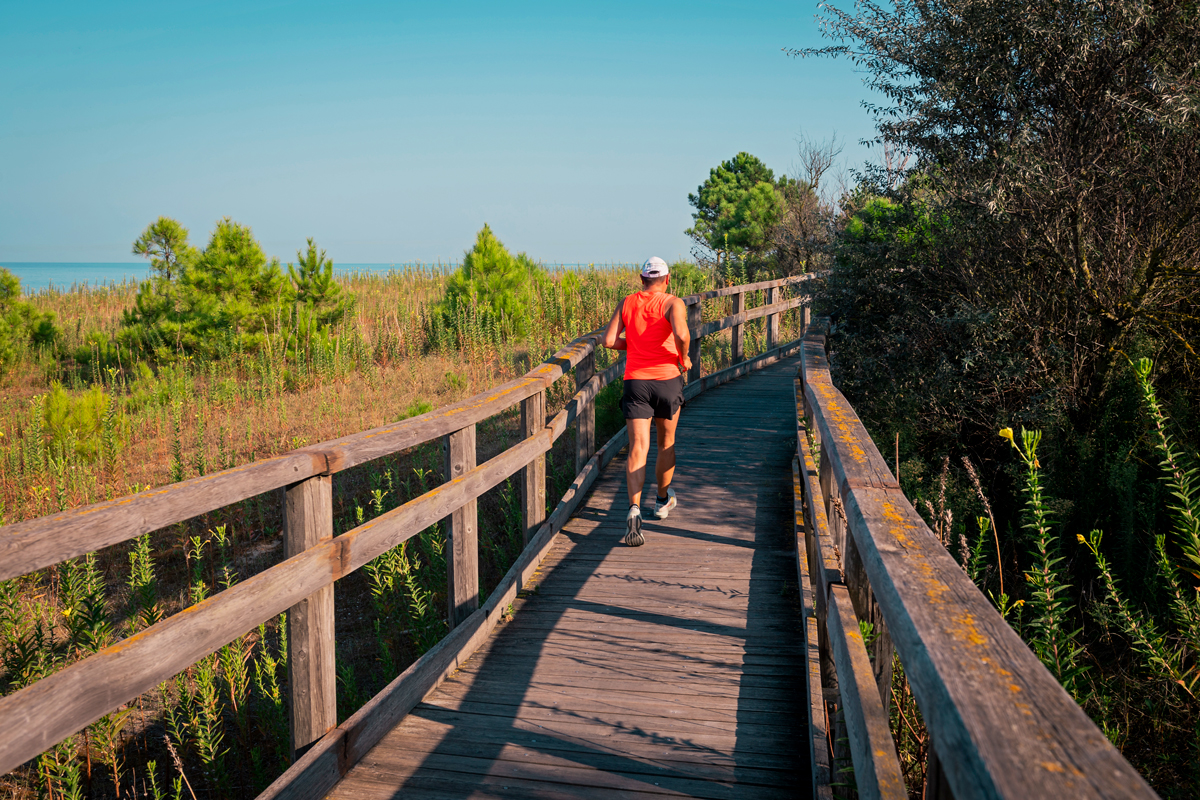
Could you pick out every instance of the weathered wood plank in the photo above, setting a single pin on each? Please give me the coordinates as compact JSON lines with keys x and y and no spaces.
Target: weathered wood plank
{"x":694,"y":317}
{"x":585,"y":426}
{"x":462,"y":546}
{"x":533,"y":476}
{"x":773,"y":318}
{"x":42,"y":542}
{"x":312,"y":672}
{"x":876,"y":768}
{"x":737,"y":336}
{"x":725,"y":291}
{"x":742,"y":317}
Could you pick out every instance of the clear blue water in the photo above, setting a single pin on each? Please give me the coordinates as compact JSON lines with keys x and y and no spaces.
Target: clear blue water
{"x":38,"y":276}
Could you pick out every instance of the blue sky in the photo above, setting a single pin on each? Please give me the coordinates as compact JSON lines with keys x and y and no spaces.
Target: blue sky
{"x":393,"y":131}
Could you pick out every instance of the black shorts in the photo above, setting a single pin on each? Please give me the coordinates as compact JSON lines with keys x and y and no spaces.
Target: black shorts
{"x":657,"y":399}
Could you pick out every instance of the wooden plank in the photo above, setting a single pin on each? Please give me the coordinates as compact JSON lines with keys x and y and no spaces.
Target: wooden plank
{"x":983,"y":694}
{"x":773,"y":318}
{"x":736,"y":352}
{"x":853,"y":463}
{"x":716,"y":325}
{"x":823,"y":565}
{"x":818,"y":731}
{"x":877,"y":770}
{"x":694,"y":317}
{"x":585,"y":426}
{"x":533,"y":476}
{"x":312,"y":671}
{"x":39,"y":543}
{"x":794,"y":280}
{"x":462,"y":546}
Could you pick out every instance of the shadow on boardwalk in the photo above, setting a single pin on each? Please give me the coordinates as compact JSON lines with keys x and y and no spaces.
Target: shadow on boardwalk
{"x":674,"y":669}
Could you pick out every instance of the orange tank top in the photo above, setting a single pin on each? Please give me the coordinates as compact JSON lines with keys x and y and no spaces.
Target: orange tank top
{"x":650,"y":352}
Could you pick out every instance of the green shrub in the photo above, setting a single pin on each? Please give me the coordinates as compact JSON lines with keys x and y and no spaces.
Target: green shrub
{"x":75,"y":424}
{"x":21,"y":324}
{"x":491,"y":289}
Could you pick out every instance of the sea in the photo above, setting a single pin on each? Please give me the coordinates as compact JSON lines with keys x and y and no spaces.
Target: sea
{"x":42,"y":276}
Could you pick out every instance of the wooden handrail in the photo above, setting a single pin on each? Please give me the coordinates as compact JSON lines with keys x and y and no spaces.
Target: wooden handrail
{"x":119,"y":673}
{"x":1001,"y":725}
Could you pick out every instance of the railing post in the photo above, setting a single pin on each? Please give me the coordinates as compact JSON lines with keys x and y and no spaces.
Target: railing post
{"x":462,"y":547}
{"x":772,"y":320}
{"x":585,"y":430}
{"x":533,"y":476}
{"x":805,"y":315}
{"x":695,"y":314}
{"x":312,"y":671}
{"x":736,"y":353}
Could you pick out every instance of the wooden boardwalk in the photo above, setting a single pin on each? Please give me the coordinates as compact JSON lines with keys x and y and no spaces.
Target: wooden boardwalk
{"x":676,"y":668}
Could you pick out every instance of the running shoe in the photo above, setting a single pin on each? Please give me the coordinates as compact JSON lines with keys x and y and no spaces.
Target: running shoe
{"x":633,"y":528}
{"x":661,"y":509}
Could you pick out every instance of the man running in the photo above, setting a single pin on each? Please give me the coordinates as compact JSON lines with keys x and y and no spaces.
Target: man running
{"x":656,"y":343}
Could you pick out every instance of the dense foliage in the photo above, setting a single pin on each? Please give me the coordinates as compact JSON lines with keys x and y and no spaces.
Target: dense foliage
{"x":746,"y":221}
{"x":21,"y":325}
{"x":1044,"y":234}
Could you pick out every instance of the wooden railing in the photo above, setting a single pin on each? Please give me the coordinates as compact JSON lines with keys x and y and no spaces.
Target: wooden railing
{"x":38,"y":716}
{"x":1000,"y":724}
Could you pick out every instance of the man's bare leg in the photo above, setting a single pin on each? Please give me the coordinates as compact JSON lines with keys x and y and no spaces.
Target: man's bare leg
{"x":635,"y":465}
{"x":664,"y":467}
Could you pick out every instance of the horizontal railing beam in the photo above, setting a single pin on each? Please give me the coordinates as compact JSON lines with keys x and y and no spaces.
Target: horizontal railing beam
{"x":726,"y":291}
{"x":745,"y":316}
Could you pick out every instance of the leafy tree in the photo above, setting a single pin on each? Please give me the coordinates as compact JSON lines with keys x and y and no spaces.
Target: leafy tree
{"x":1062,"y":136}
{"x":737,"y":208}
{"x":20,"y":323}
{"x":492,"y":285}
{"x":315,"y":288}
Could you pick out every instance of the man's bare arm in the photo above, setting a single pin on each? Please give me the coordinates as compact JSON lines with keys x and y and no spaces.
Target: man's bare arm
{"x":612,"y":332}
{"x":679,"y":327}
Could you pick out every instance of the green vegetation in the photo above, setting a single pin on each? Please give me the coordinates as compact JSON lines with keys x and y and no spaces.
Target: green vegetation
{"x":1034,"y":227}
{"x":21,"y":325}
{"x":491,"y":289}
{"x":226,"y":297}
{"x":749,"y":223}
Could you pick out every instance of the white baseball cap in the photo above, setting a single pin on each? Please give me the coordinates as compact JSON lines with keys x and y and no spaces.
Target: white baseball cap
{"x":655,"y":268}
